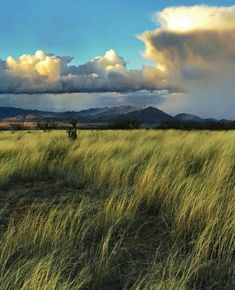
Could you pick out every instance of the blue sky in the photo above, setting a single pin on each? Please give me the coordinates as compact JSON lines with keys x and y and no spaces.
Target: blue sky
{"x":80,"y":28}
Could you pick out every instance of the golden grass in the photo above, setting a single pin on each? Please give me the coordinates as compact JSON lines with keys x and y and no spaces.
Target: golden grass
{"x":154,"y":210}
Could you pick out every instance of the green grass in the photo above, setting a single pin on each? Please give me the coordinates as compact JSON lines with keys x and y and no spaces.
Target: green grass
{"x":137,"y":209}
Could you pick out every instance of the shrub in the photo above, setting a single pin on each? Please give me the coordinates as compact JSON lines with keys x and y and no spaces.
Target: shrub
{"x":72,"y":131}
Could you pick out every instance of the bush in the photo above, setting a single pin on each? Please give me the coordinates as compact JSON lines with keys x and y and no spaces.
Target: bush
{"x":72,"y":131}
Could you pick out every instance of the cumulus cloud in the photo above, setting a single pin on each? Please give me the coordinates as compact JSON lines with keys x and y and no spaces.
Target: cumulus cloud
{"x":35,"y":66}
{"x":47,"y":73}
{"x":194,"y":47}
{"x":186,"y":18}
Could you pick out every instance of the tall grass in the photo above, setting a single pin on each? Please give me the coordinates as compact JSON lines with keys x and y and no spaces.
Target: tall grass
{"x":147,"y":210}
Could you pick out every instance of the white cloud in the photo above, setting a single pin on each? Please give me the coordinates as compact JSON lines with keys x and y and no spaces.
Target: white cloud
{"x":47,"y":73}
{"x":186,"y":18}
{"x":35,"y":67}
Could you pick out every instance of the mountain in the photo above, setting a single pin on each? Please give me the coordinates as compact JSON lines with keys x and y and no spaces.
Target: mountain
{"x":12,"y":114}
{"x":195,"y":119}
{"x":151,"y":115}
{"x":82,"y":114}
{"x":188,"y":118}
{"x":108,"y":114}
{"x":105,"y":114}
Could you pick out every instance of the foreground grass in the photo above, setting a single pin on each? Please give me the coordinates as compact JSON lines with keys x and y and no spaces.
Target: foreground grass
{"x":117,"y":210}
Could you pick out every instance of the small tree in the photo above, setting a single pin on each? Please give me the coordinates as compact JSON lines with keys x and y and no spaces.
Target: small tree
{"x":72,"y":131}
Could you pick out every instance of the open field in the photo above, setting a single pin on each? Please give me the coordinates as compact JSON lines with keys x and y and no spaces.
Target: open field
{"x":139,"y":209}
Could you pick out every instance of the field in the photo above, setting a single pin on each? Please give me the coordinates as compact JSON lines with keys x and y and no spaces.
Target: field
{"x":141,"y":209}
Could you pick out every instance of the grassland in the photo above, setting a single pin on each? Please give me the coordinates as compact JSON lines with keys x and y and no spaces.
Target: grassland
{"x":137,"y":209}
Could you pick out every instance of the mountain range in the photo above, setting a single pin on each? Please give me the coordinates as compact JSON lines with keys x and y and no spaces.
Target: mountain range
{"x":148,"y":115}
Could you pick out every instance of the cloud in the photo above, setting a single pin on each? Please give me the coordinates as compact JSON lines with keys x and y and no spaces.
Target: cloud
{"x":189,"y":18}
{"x":35,"y":67}
{"x":48,"y":82}
{"x":47,"y":73}
{"x":194,"y":47}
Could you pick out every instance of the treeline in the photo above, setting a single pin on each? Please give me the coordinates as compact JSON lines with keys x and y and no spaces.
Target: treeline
{"x":127,"y":122}
{"x":124,"y":122}
{"x":18,"y":126}
{"x":189,"y":125}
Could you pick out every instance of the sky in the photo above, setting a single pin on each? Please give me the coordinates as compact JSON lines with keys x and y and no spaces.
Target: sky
{"x":70,"y":55}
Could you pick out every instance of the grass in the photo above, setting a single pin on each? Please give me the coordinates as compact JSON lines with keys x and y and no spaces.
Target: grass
{"x":137,"y":209}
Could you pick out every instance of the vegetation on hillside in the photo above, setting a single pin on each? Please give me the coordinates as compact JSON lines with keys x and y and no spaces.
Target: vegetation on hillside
{"x":139,"y":209}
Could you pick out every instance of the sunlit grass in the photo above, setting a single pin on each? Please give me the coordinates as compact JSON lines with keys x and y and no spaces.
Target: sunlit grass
{"x":153,"y":210}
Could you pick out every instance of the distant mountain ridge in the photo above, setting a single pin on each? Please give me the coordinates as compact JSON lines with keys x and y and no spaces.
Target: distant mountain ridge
{"x":188,"y":117}
{"x":193,"y":118}
{"x":148,"y":115}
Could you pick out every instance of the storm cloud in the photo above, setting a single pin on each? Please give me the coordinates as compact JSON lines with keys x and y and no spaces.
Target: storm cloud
{"x":195,"y":49}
